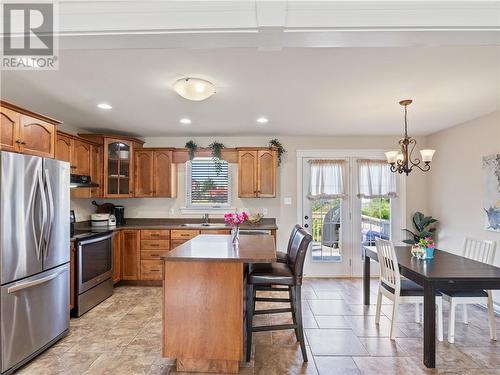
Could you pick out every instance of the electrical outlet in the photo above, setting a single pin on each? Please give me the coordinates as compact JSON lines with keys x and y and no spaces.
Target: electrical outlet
{"x":287,"y":201}
{"x":264,"y":211}
{"x":171,"y":211}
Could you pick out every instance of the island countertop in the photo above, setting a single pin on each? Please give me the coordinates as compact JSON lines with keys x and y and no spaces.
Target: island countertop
{"x":219,"y":248}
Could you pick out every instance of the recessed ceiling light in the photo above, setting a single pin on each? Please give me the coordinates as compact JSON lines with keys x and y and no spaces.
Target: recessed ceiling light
{"x":262,"y":120}
{"x":185,"y":121}
{"x":196,"y":89}
{"x":104,"y":106}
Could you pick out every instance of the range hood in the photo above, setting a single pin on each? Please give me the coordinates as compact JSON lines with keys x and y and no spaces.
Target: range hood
{"x":81,"y":181}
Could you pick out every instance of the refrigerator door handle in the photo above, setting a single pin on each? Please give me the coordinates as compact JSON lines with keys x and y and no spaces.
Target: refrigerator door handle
{"x":51,"y":212}
{"x":30,"y":284}
{"x":32,"y":217}
{"x":44,"y":215}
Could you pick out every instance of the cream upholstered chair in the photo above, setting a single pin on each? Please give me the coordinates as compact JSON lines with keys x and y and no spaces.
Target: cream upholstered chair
{"x":481,"y":251}
{"x":399,"y":290}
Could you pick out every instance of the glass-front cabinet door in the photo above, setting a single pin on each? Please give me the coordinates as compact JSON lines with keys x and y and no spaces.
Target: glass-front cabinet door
{"x":118,"y":168}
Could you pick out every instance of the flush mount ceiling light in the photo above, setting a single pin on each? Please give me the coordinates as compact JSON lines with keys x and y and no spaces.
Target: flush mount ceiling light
{"x":195,"y":89}
{"x":262,"y":120}
{"x":185,"y":121}
{"x":104,"y":106}
{"x":401,"y":161}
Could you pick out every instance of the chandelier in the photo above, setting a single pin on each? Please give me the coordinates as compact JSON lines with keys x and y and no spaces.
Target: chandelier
{"x":401,"y":161}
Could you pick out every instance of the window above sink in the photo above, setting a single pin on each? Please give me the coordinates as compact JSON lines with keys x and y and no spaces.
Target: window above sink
{"x":208,"y":185}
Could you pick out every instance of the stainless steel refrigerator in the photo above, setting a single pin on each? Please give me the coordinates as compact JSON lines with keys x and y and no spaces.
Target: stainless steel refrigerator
{"x":34,"y":256}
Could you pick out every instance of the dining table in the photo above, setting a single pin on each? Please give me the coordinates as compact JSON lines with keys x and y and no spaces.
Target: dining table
{"x":445,"y":271}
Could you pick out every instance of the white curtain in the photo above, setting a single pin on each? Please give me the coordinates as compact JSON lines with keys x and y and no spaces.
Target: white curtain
{"x":327,"y":179}
{"x":375,"y":179}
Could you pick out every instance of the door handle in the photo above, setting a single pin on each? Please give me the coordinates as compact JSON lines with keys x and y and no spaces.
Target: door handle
{"x":51,"y":211}
{"x":31,"y":284}
{"x":44,"y":214}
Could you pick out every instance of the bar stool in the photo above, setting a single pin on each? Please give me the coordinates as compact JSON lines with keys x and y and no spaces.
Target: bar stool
{"x":281,"y":256}
{"x":279,"y":277}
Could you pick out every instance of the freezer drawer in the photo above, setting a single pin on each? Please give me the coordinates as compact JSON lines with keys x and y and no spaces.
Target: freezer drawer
{"x":34,"y":311}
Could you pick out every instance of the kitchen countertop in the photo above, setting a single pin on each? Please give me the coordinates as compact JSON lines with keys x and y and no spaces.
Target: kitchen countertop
{"x":137,"y":224}
{"x":219,"y":248}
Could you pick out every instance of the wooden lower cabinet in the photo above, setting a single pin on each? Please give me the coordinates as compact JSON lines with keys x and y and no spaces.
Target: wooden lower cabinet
{"x":137,"y":253}
{"x":117,"y":257}
{"x":72,"y":275}
{"x":131,"y":255}
{"x":151,"y":269}
{"x":154,"y":243}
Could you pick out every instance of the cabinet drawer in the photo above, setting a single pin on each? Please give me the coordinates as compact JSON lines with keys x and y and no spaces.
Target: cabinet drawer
{"x":215,"y":231}
{"x":155,"y":244}
{"x":183,"y":234}
{"x":151,"y":270}
{"x":152,"y":255}
{"x":175,"y":243}
{"x":155,"y":234}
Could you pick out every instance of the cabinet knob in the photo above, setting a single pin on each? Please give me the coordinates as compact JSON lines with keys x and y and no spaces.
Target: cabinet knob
{"x":23,"y":143}
{"x":18,"y":141}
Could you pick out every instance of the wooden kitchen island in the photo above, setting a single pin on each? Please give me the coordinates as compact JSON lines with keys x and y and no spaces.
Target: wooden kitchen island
{"x":203,"y":300}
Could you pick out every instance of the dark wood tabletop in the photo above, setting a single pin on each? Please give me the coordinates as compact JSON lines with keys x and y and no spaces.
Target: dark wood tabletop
{"x":445,"y":271}
{"x":444,"y":266}
{"x":219,"y":248}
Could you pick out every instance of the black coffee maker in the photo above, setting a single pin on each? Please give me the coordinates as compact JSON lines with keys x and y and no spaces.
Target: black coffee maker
{"x":120,"y":215}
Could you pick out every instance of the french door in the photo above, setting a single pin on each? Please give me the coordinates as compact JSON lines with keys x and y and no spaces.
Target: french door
{"x":340,"y":227}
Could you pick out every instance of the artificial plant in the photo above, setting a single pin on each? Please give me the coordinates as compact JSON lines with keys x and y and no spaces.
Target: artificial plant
{"x":280,"y":149}
{"x":192,"y":147}
{"x":424,"y":227}
{"x":217,"y":148}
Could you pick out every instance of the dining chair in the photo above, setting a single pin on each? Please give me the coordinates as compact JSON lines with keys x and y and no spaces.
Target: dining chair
{"x":481,"y":251}
{"x":279,"y":277}
{"x":398,"y":290}
{"x":282,"y":256}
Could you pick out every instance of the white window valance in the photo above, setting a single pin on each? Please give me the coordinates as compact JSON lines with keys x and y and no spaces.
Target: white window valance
{"x":375,"y":179}
{"x":327,"y":179}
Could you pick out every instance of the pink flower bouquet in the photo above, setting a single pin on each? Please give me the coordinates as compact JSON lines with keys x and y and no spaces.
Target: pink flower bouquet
{"x":235,"y":219}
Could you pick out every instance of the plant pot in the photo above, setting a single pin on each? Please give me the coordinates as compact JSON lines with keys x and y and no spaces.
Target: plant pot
{"x":429,"y":253}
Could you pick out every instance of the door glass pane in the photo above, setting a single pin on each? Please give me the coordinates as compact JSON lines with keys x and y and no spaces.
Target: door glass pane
{"x":326,"y":219}
{"x":375,"y":220}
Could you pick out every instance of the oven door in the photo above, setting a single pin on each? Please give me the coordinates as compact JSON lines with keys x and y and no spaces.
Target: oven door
{"x":94,"y":261}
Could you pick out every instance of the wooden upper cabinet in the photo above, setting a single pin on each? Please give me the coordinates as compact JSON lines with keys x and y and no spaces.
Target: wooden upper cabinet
{"x":37,"y":137}
{"x":9,"y":128}
{"x":26,"y":132}
{"x":96,"y":171}
{"x":155,"y":174}
{"x":165,"y":174}
{"x":144,"y":165}
{"x":247,"y":174}
{"x":81,"y":158}
{"x":64,"y":145}
{"x":266,"y":174}
{"x":257,"y":173}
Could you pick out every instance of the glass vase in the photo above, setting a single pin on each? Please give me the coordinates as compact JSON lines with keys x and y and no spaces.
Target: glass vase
{"x":235,"y":235}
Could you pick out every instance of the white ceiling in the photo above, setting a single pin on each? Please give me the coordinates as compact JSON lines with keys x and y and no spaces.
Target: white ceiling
{"x":317,"y":91}
{"x":311,"y":67}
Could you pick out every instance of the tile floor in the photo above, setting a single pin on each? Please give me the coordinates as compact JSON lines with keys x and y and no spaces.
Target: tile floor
{"x":123,"y":336}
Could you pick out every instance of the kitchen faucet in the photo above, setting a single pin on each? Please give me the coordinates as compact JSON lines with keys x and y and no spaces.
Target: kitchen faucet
{"x":206,"y":218}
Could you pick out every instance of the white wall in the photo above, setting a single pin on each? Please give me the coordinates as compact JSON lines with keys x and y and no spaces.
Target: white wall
{"x":454,"y":186}
{"x":287,"y":175}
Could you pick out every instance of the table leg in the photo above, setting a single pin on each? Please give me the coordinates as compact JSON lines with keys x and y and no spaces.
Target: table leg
{"x":429,"y":325}
{"x":366,"y":281}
